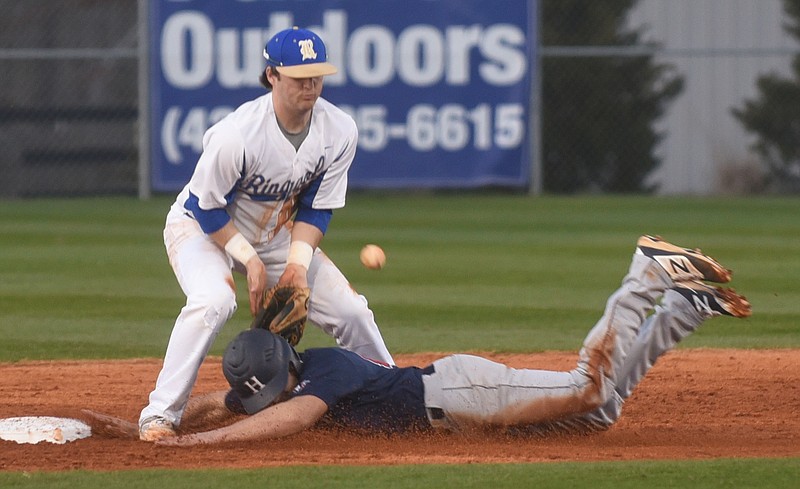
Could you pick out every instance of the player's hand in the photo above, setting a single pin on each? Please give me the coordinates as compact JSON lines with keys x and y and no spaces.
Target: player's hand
{"x":294,"y":275}
{"x":256,"y":283}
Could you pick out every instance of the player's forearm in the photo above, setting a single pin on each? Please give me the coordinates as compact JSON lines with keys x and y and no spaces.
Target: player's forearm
{"x":224,"y":234}
{"x":305,"y":239}
{"x":248,"y":429}
{"x":308,"y":233}
{"x":231,"y":240}
{"x":278,"y":420}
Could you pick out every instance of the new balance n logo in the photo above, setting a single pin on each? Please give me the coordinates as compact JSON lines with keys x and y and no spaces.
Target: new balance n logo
{"x":702,"y":306}
{"x":679,"y":267}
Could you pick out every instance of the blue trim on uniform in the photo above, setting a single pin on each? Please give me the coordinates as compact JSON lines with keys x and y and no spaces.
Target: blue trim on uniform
{"x":316,"y":217}
{"x":211,"y":220}
{"x":268,"y":197}
{"x":310,"y":193}
{"x":306,"y":212}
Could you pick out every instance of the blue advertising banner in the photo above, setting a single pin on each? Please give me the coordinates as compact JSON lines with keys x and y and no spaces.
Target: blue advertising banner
{"x":439,"y":89}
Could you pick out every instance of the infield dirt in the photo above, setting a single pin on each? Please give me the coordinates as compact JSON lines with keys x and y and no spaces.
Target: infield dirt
{"x":694,"y":404}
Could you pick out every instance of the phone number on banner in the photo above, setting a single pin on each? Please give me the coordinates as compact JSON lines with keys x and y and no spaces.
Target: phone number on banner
{"x":451,"y":127}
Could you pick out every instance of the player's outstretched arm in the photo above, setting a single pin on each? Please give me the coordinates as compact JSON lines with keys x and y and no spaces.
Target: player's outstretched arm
{"x":282,"y":419}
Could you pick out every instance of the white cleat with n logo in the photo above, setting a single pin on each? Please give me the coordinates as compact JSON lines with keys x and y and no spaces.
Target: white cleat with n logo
{"x":682,"y":264}
{"x":710,"y":301}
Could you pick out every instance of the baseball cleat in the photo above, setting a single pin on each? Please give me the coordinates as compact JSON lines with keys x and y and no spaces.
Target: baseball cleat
{"x":711,"y":301}
{"x":682,"y":264}
{"x":155,"y":428}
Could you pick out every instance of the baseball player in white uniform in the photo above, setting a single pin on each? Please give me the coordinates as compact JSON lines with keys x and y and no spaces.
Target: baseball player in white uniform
{"x":259,"y":202}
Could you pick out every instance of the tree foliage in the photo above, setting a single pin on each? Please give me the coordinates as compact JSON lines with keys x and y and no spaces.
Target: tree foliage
{"x":598,"y":113}
{"x":775,"y":116}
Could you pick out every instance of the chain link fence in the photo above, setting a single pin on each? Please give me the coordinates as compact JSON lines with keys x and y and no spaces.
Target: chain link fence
{"x":68,"y":108}
{"x":635,"y":96}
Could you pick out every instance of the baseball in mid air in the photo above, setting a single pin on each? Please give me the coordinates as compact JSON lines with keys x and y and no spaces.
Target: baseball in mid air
{"x":373,"y":257}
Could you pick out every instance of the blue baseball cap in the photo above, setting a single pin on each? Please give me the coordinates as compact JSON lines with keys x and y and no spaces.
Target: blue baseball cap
{"x":298,"y":53}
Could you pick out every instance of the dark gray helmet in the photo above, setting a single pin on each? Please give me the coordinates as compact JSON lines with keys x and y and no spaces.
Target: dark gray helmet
{"x":256,"y":365}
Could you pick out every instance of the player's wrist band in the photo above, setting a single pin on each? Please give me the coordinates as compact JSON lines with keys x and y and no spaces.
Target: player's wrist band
{"x":300,"y":253}
{"x":239,"y":249}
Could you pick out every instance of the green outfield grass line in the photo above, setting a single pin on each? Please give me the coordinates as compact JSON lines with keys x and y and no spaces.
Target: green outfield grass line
{"x":88,"y":278}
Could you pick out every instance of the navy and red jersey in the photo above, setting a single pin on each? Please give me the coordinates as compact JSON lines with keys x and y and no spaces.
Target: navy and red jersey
{"x":363,"y":394}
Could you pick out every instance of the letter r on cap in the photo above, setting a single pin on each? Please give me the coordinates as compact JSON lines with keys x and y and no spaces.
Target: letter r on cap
{"x":307,"y":49}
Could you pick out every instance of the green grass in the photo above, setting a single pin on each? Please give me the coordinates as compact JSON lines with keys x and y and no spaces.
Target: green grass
{"x":725,"y":473}
{"x":88,"y":278}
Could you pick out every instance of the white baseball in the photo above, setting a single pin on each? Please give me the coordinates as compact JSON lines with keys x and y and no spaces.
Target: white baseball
{"x":373,"y":257}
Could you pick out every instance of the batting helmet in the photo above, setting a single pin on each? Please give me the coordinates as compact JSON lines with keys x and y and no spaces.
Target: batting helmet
{"x":256,"y":365}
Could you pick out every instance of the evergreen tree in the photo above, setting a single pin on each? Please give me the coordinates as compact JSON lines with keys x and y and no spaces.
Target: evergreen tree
{"x":775,"y":116}
{"x":598,"y":112}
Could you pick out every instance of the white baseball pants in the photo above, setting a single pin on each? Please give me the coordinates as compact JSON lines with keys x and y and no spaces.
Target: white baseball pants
{"x":204,"y":272}
{"x":466,"y":392}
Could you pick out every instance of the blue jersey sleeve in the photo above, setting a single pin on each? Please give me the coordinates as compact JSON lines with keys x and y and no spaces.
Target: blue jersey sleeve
{"x":306,"y":212}
{"x":316,"y":217}
{"x":211,"y":220}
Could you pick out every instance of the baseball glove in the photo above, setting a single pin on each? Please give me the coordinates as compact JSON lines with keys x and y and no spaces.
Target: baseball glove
{"x":284,"y":311}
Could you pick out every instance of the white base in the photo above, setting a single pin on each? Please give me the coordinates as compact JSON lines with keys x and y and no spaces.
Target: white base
{"x":35,"y":429}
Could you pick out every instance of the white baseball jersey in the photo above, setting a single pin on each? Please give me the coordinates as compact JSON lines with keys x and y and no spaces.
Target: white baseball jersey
{"x":251,"y":172}
{"x":250,"y":169}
